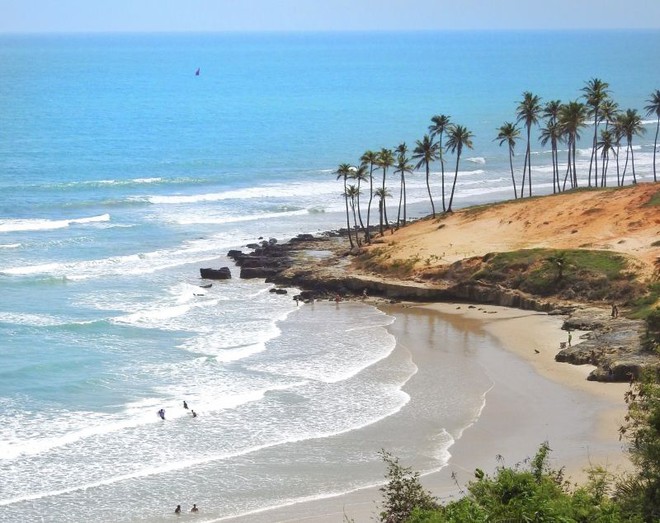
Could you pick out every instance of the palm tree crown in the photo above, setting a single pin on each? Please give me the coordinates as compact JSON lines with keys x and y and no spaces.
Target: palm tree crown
{"x":508,"y":133}
{"x":459,"y":137}
{"x":426,"y":152}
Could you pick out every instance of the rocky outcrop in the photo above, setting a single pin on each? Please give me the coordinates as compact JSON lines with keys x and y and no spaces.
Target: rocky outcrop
{"x":612,"y":345}
{"x":269,"y":259}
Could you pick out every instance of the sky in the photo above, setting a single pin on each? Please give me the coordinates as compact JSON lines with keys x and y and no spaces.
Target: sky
{"x":64,"y":16}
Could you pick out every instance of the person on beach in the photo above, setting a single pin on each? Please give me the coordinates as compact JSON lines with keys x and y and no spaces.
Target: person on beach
{"x":194,"y":508}
{"x":185,"y":405}
{"x":615,"y":311}
{"x":194,"y":414}
{"x":570,"y":338}
{"x":161,"y":413}
{"x":177,"y":510}
{"x":364,"y":294}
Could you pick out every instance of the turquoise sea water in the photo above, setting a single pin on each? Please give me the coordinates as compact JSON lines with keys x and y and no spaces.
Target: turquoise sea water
{"x":122,"y":173}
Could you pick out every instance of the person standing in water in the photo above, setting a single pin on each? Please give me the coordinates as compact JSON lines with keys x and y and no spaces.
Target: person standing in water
{"x":185,"y":405}
{"x":161,"y":413}
{"x":177,"y":510}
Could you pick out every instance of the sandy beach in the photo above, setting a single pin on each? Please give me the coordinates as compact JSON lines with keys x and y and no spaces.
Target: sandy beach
{"x":533,"y":399}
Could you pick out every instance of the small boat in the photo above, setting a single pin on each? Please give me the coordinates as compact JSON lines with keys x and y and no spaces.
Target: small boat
{"x":197,"y":72}
{"x":206,"y":286}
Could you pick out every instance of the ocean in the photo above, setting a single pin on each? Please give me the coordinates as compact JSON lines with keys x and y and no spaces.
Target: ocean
{"x":122,"y":172}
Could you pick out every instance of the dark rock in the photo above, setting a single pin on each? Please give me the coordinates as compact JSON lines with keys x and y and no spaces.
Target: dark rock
{"x":257,"y":272}
{"x":215,"y":274}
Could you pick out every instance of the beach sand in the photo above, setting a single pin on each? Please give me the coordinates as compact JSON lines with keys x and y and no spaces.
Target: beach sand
{"x":533,"y":399}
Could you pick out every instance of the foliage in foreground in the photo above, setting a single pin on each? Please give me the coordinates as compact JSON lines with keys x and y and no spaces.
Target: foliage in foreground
{"x":536,"y":493}
{"x":640,"y":493}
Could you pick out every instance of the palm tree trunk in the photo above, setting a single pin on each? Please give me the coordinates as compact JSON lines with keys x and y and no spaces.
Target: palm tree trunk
{"x":398,"y":215}
{"x":428,"y":188}
{"x":513,"y":179}
{"x":442,"y":171}
{"x":555,"y":165}
{"x":367,"y":235}
{"x":655,"y":147}
{"x":380,"y":213}
{"x":357,"y":238}
{"x":387,"y":223}
{"x":359,"y":212}
{"x":632,"y":162}
{"x":453,"y":186}
{"x":575,"y":179}
{"x":522,"y":185}
{"x":596,"y":158}
{"x":348,"y":220}
{"x":625,"y":165}
{"x":618,"y":170}
{"x":529,"y":159}
{"x":403,"y":183}
{"x":568,"y":165}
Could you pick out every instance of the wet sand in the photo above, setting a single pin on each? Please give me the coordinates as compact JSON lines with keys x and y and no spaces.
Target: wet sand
{"x":533,"y":399}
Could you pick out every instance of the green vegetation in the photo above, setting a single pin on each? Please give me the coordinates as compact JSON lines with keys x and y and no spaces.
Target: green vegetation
{"x":654,"y":201}
{"x":569,"y":274}
{"x":533,"y":492}
{"x":380,"y":260}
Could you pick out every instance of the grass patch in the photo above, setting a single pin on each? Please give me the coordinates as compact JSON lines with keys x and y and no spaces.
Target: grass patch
{"x":569,"y":274}
{"x":654,"y":201}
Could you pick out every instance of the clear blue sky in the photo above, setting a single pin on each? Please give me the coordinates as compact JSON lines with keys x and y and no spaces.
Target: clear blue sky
{"x":314,"y":15}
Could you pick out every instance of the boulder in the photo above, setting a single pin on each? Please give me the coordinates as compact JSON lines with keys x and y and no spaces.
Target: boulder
{"x":215,"y":274}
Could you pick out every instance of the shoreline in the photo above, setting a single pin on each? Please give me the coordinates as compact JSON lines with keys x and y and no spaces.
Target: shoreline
{"x":532,"y":399}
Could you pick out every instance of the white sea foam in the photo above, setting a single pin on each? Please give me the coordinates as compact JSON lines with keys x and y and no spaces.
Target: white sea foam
{"x":45,"y":225}
{"x":37,"y":320}
{"x":477,"y":159}
{"x":263,"y":192}
{"x":10,"y":246}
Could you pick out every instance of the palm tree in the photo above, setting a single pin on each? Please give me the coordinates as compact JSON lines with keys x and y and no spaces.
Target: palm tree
{"x":403,"y":167}
{"x":458,"y":137}
{"x":631,"y":126}
{"x":595,"y":93}
{"x":352,"y":194}
{"x":426,"y":152}
{"x":385,"y":159}
{"x":440,"y":123}
{"x":572,"y":117}
{"x":552,"y":133}
{"x":606,"y":146}
{"x":343,"y":172}
{"x":369,"y":158}
{"x":509,"y":133}
{"x":528,"y":111}
{"x":381,"y":194}
{"x":653,"y":108}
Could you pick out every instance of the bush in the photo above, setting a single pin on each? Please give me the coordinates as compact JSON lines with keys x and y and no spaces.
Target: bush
{"x":403,"y":492}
